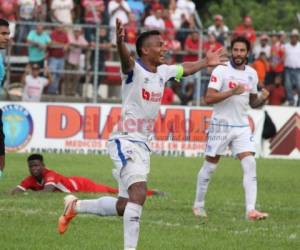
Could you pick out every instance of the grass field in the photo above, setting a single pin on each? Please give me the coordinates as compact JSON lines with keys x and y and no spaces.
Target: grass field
{"x":28,"y":221}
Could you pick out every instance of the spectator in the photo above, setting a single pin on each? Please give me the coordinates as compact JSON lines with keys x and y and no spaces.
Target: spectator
{"x":9,"y":11}
{"x":176,"y":14}
{"x":277,"y":92}
{"x":57,"y":57}
{"x":292,"y":66}
{"x":137,"y":8}
{"x":38,"y":41}
{"x":131,"y":31}
{"x":117,"y":9}
{"x":261,"y":65}
{"x":188,"y":7}
{"x":169,"y":26}
{"x":34,"y":84}
{"x":277,"y":58}
{"x":155,"y":20}
{"x":91,"y":19}
{"x":186,"y":25}
{"x":77,"y":43}
{"x":219,"y":29}
{"x":246,"y":30}
{"x":191,"y":47}
{"x":263,"y":46}
{"x":62,"y":11}
{"x":211,"y":43}
{"x":173,"y":46}
{"x":27,"y":13}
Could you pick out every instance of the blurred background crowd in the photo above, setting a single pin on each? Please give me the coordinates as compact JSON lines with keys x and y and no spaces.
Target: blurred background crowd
{"x":56,"y":49}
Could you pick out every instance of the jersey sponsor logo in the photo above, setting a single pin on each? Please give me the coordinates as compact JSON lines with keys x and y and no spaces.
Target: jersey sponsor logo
{"x":213,"y":78}
{"x":233,"y":85}
{"x":17,"y":127}
{"x":151,"y":96}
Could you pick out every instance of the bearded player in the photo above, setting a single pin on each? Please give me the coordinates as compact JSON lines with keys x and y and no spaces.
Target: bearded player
{"x":231,"y":89}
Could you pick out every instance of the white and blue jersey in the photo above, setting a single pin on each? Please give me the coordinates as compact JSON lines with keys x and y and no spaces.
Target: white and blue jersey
{"x":142,"y":92}
{"x":233,"y":111}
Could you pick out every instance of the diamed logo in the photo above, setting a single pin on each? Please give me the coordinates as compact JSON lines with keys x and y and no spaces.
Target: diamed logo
{"x":17,"y":127}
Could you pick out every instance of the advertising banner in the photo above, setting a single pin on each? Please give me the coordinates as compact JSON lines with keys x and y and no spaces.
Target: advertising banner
{"x":286,"y":142}
{"x":85,"y":128}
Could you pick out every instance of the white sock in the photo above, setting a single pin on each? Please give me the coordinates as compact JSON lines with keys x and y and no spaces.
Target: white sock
{"x":203,"y":181}
{"x":131,"y":219}
{"x":104,"y":206}
{"x":249,"y":181}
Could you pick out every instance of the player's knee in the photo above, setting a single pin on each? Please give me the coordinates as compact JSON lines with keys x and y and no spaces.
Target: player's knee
{"x":137,"y":193}
{"x":121,"y":204}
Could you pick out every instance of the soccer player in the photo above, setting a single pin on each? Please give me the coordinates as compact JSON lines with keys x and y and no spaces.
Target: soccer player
{"x":43,"y":179}
{"x":4,"y":40}
{"x":142,"y":89}
{"x":231,"y":89}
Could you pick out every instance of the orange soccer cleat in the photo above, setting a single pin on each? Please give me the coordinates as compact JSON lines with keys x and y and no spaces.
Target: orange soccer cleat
{"x":69,"y":213}
{"x":256,"y":215}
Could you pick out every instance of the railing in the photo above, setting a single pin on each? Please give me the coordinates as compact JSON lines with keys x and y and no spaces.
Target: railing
{"x":16,"y":62}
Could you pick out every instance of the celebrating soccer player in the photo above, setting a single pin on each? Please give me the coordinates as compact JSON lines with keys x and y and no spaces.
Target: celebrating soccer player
{"x":143,"y":83}
{"x":231,"y":89}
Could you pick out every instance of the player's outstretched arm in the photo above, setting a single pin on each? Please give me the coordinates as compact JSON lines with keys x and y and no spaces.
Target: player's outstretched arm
{"x":212,"y":59}
{"x":127,"y":62}
{"x":257,"y":101}
{"x":214,"y":96}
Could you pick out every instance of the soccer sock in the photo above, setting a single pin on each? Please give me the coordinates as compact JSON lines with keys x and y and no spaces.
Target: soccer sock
{"x":104,"y":206}
{"x":131,"y":221}
{"x":249,"y":181}
{"x":203,"y":181}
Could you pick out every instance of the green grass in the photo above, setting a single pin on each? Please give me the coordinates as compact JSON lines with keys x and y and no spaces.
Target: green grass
{"x":28,"y":221}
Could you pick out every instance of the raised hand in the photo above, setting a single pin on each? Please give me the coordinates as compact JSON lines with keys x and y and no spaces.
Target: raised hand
{"x":217,"y":57}
{"x":265,"y":94}
{"x":120,"y":31}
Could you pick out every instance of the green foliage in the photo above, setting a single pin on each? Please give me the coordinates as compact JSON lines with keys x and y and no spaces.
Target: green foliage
{"x":29,"y":221}
{"x":267,"y":15}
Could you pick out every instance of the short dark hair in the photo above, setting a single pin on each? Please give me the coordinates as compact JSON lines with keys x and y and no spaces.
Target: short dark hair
{"x":141,"y":39}
{"x":3,"y":22}
{"x":241,"y":39}
{"x":33,"y":157}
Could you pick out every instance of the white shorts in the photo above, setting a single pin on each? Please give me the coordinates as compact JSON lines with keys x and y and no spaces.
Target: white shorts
{"x":132,"y":163}
{"x":238,"y":139}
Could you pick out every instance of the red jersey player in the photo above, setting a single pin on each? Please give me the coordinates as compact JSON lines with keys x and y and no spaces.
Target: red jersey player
{"x":43,"y":179}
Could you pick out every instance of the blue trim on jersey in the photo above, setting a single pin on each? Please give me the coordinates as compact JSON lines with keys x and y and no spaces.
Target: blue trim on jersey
{"x":226,"y":125}
{"x":130,"y":77}
{"x":143,"y":65}
{"x":134,"y":141}
{"x":120,"y":153}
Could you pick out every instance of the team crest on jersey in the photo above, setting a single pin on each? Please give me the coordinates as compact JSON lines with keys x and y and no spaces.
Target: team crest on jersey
{"x":146,"y":80}
{"x":213,"y":78}
{"x":250,"y":78}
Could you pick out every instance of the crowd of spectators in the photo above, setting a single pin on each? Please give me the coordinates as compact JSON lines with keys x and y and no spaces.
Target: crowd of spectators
{"x":67,"y":45}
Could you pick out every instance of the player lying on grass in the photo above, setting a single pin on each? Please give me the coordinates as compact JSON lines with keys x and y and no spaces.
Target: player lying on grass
{"x":143,"y":83}
{"x":43,"y":179}
{"x":232,"y":88}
